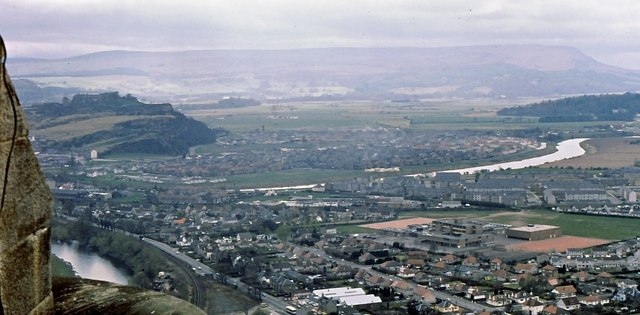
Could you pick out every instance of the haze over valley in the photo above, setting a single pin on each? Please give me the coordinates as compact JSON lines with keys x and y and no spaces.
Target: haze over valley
{"x":339,"y":157}
{"x":500,"y":71}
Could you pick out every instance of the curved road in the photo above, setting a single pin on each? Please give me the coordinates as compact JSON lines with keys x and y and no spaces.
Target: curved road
{"x":200,"y":269}
{"x":189,"y":266}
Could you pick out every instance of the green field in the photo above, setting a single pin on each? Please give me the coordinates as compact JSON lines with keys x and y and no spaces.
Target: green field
{"x":420,"y":115}
{"x":61,"y":268}
{"x":73,"y":128}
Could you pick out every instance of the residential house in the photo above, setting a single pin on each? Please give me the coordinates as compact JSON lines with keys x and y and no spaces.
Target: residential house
{"x":406,"y":272}
{"x":574,"y":252}
{"x":402,"y":286}
{"x":604,"y":278}
{"x":500,"y":275}
{"x":525,"y":268}
{"x":282,"y":285}
{"x":552,"y":310}
{"x":421,"y":277}
{"x":569,"y":303}
{"x":520,"y":297}
{"x":367,"y":258}
{"x":496,"y":264}
{"x":377,"y":281}
{"x":440,"y":265}
{"x":626,"y":294}
{"x":626,"y":283}
{"x":554,"y":282}
{"x":564,"y":291}
{"x":328,"y":305}
{"x":498,"y":299}
{"x":297,"y":277}
{"x":549,"y":271}
{"x":470,"y":261}
{"x":582,"y":276}
{"x":425,"y":295}
{"x":475,"y":294}
{"x":532,"y":306}
{"x":415,"y":262}
{"x":244,"y":237}
{"x":361,"y":274}
{"x":390,"y":266}
{"x":594,"y":299}
{"x":449,"y":259}
{"x":446,"y":307}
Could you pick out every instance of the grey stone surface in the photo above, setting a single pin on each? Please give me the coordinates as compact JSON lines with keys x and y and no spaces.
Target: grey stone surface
{"x":25,"y":212}
{"x":83,"y":296}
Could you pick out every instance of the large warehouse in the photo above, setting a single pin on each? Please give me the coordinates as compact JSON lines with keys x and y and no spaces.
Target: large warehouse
{"x":534,"y":232}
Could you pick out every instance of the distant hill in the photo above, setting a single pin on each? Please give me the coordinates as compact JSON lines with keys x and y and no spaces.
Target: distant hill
{"x":111,"y":123}
{"x":334,"y":73}
{"x":30,"y":92}
{"x":622,"y":107}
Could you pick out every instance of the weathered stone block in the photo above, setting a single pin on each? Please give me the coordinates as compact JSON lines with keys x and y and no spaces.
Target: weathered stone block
{"x":25,"y":212}
{"x":7,"y":98}
{"x":25,"y":279}
{"x":28,"y":203}
{"x":45,"y":307}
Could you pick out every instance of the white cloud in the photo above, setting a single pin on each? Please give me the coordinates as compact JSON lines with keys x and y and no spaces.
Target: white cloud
{"x":608,"y":29}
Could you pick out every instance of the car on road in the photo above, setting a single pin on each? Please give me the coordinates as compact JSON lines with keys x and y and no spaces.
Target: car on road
{"x":264,"y":305}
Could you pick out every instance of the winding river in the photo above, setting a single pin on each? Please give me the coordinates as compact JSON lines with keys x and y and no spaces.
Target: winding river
{"x":89,"y":265}
{"x":565,"y":150}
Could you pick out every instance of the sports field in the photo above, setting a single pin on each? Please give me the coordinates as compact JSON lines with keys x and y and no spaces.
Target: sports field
{"x":589,"y":226}
{"x":559,"y":244}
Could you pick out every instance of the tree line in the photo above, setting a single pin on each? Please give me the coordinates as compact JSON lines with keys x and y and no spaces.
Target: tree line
{"x":609,"y":107}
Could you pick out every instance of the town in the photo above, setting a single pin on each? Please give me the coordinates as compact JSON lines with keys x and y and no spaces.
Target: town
{"x":317,"y":249}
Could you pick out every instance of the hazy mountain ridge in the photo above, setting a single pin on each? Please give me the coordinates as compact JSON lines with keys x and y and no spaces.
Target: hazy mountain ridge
{"x":379,"y":73}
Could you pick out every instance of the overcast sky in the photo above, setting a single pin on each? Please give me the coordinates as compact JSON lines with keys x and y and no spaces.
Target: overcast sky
{"x":606,"y":30}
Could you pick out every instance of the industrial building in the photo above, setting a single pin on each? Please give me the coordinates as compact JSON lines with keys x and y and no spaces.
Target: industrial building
{"x":346,"y":296}
{"x":534,"y":232}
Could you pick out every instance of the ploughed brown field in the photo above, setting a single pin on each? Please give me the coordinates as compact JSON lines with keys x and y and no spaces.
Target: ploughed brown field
{"x":559,"y":244}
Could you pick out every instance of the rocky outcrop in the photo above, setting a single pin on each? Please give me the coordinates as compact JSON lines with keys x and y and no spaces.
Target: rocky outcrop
{"x":82,"y":296}
{"x":25,"y":212}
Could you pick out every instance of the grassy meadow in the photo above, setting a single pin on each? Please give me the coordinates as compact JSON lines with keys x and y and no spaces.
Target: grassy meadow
{"x":479,"y":114}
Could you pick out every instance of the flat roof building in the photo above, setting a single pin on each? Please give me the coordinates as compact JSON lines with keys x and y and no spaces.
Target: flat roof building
{"x":534,"y":232}
{"x":346,"y":295}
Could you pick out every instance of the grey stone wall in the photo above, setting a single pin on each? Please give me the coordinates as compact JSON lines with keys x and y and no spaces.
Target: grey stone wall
{"x":25,"y":212}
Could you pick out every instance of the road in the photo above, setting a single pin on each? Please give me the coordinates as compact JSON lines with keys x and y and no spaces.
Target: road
{"x":275,"y":303}
{"x":190,"y":266}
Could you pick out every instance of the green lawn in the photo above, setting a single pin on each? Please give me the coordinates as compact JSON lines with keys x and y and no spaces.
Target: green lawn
{"x":353,"y":229}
